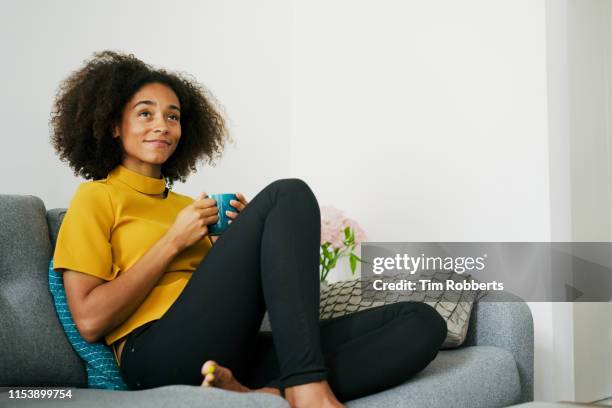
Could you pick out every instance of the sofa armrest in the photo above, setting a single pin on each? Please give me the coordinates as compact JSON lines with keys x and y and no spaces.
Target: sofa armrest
{"x":502,"y":319}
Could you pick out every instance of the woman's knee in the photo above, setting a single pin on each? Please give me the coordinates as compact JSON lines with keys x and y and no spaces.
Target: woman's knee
{"x":293,"y":187}
{"x":290,"y":184}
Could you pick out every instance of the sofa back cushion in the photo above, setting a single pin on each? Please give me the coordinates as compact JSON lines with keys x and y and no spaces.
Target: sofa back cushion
{"x":35,"y":350}
{"x":55,"y":217}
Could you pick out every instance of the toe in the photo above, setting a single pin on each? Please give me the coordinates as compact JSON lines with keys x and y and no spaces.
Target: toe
{"x":209,"y":367}
{"x":209,"y":380}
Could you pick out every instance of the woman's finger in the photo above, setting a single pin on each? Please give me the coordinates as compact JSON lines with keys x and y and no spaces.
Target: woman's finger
{"x":242,"y":198}
{"x":209,"y":211}
{"x":237,"y":205}
{"x":231,"y":214}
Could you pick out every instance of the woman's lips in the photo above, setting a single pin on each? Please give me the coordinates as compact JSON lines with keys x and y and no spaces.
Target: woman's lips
{"x":155,"y":143}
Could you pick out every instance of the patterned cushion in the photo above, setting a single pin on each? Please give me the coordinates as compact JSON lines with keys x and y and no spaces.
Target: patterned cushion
{"x":102,"y":369}
{"x":455,"y":306}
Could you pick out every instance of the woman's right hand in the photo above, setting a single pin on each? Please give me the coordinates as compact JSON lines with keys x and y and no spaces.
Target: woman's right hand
{"x":191,"y":224}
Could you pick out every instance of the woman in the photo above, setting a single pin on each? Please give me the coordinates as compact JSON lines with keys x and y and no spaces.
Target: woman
{"x":179,"y":306}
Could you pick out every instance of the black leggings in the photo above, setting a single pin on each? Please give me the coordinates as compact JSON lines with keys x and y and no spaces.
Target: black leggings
{"x":269,"y":260}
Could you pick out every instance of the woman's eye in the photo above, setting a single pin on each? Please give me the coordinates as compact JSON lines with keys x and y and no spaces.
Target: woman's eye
{"x":174,"y":117}
{"x":143,"y":113}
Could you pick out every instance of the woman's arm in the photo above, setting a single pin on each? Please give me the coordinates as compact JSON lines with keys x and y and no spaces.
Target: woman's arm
{"x":98,"y":306}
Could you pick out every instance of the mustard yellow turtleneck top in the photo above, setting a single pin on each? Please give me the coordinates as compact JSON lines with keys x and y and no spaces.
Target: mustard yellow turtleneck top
{"x":111,"y":223}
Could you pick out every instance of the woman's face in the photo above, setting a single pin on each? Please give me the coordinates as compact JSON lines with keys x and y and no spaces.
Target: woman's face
{"x":150,"y":129}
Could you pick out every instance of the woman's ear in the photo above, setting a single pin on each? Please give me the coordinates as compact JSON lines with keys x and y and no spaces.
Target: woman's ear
{"x":116,"y":132}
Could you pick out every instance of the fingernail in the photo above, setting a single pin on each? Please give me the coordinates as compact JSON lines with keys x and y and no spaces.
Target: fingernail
{"x":211,"y":369}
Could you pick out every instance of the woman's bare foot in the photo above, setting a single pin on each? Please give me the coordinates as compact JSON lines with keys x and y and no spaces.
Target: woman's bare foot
{"x":315,"y":394}
{"x":221,"y":377}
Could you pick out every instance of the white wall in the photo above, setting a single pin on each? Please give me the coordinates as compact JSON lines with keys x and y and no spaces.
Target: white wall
{"x":557,"y":382}
{"x":435,"y":115}
{"x":437,"y":107}
{"x":442,"y":108}
{"x":580,"y":49}
{"x":589,"y":28}
{"x":238,"y":49}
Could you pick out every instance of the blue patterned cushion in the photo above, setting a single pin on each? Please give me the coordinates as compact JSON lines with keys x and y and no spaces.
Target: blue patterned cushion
{"x":102,"y":369}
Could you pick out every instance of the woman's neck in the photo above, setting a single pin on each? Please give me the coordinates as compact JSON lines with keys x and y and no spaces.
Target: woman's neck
{"x":146,"y":169}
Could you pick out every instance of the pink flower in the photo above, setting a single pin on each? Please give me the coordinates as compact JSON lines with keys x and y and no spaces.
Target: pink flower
{"x":360,"y":235}
{"x":333,"y":223}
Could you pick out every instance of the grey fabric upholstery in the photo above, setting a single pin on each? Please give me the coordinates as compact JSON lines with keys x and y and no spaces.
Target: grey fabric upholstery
{"x":173,"y":396}
{"x":493,"y":368}
{"x":474,"y":377}
{"x":54,"y":221}
{"x":470,"y":377}
{"x":35,"y":348}
{"x":502,"y":319}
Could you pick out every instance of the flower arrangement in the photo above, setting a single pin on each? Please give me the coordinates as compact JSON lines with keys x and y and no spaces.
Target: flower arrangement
{"x":339,"y":238}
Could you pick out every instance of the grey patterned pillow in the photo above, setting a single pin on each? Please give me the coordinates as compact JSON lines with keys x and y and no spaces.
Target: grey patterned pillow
{"x":455,"y":306}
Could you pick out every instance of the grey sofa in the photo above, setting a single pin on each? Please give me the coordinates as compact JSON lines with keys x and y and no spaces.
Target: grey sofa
{"x":493,"y":368}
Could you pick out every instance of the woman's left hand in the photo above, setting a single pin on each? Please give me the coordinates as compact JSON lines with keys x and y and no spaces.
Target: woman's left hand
{"x":237,"y":204}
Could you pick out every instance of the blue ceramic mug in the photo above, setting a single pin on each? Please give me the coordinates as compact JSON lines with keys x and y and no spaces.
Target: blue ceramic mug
{"x":223,"y":204}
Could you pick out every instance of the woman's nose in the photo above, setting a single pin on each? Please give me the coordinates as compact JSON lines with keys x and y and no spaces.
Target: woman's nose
{"x":161,"y":129}
{"x":160,"y":124}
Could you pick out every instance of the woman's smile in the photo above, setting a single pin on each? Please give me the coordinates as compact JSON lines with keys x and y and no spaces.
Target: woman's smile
{"x":157,"y":143}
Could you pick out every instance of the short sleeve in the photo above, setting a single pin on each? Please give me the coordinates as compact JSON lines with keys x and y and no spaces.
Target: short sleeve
{"x":83,"y":243}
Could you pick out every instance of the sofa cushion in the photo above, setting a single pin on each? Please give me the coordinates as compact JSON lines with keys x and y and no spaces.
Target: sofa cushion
{"x":55,"y":217}
{"x":472,"y":377}
{"x":102,"y":369}
{"x":455,"y":306}
{"x":35,"y":350}
{"x":175,"y":396}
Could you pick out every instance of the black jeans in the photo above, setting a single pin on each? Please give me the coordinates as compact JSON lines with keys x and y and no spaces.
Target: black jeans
{"x":269,"y":260}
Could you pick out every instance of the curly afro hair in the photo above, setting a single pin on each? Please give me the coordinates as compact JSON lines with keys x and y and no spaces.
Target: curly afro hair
{"x":90,"y":102}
